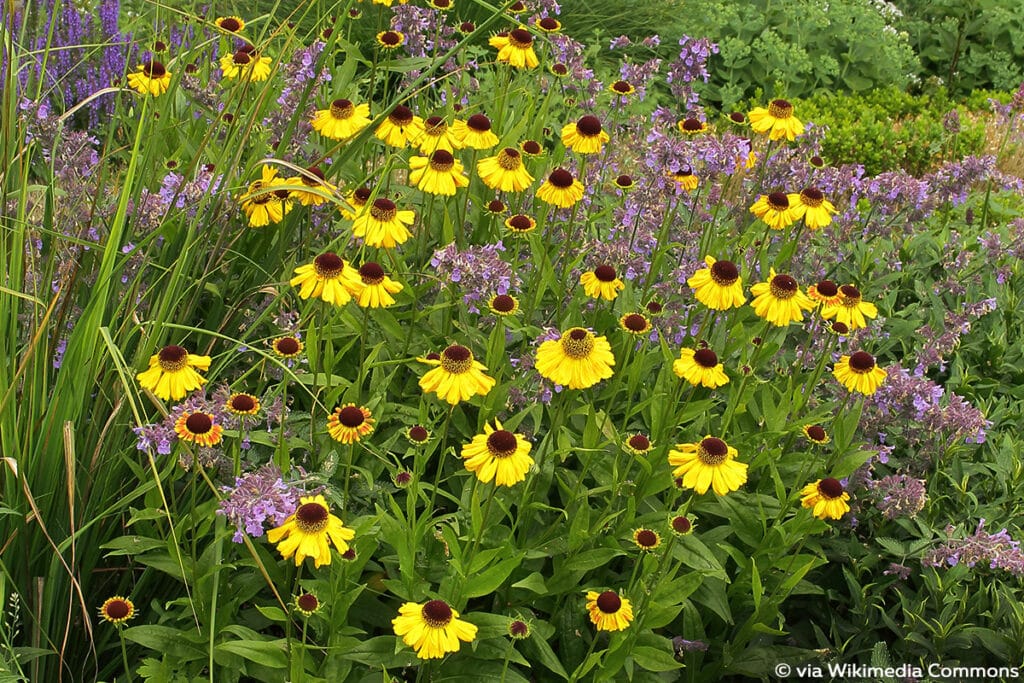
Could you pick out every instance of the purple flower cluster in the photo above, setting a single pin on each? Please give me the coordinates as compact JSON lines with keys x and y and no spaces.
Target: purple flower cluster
{"x":302,"y":75}
{"x":936,"y":345}
{"x":477,"y":271}
{"x":258,"y":501}
{"x":998,"y":550}
{"x":899,"y":495}
{"x":691,"y":66}
{"x":580,"y":78}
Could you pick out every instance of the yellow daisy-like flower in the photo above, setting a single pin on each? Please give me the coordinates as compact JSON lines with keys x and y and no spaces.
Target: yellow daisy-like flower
{"x":503,"y":305}
{"x":241,"y":405}
{"x":498,"y":454}
{"x":520,"y":224}
{"x":775,"y":209}
{"x":349,"y":423}
{"x":577,"y":360}
{"x":637,"y":444}
{"x":622,"y":88}
{"x":548,"y":24}
{"x":117,"y":610}
{"x":692,"y":126}
{"x":390,"y":40}
{"x":264,"y":205}
{"x":777,"y":120}
{"x":700,"y":367}
{"x":635,"y":324}
{"x":825,"y":293}
{"x":437,"y":134}
{"x":230,"y":24}
{"x":609,"y":611}
{"x":152,"y":78}
{"x":685,"y":178}
{"x":560,"y":189}
{"x":377,"y":287}
{"x":816,"y":434}
{"x":504,"y":171}
{"x":354,"y":201}
{"x":199,"y":428}
{"x":287,"y":347}
{"x":859,"y":373}
{"x":826,"y":499}
{"x":584,"y":136}
{"x":475,"y":132}
{"x":343,"y":120}
{"x":458,"y":376}
{"x":400,"y":127}
{"x":309,"y":532}
{"x":811,"y":205}
{"x":709,"y":463}
{"x":602,"y":283}
{"x":779,"y":300}
{"x":245,"y":64}
{"x":328,"y":277}
{"x":531,"y":148}
{"x":515,"y":48}
{"x":170,"y":375}
{"x":851,"y":309}
{"x":719,"y":286}
{"x":646,"y":539}
{"x":432,"y":629}
{"x":440,"y":173}
{"x":383,"y":225}
{"x":314,"y":179}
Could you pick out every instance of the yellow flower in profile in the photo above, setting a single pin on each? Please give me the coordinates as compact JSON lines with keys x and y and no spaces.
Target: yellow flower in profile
{"x":515,"y":48}
{"x":709,"y":463}
{"x":824,"y":293}
{"x":700,"y":367}
{"x":198,"y":427}
{"x":117,"y":610}
{"x":504,"y":171}
{"x":779,"y":300}
{"x":152,"y":78}
{"x":609,"y":611}
{"x":314,"y":179}
{"x":245,"y":64}
{"x":309,"y":532}
{"x":475,"y":132}
{"x":777,"y":120}
{"x":383,"y":225}
{"x":264,"y":205}
{"x":400,"y":127}
{"x":859,"y":373}
{"x":349,"y":423}
{"x":585,"y":136}
{"x":440,"y":173}
{"x":685,"y":178}
{"x":576,"y":360}
{"x":377,"y":287}
{"x":826,"y":499}
{"x":560,"y":189}
{"x":230,"y":24}
{"x":520,"y":224}
{"x":812,"y":206}
{"x":602,"y":283}
{"x":816,"y":434}
{"x":170,"y":375}
{"x":498,"y":454}
{"x":719,"y":286}
{"x":458,"y":376}
{"x":432,"y":629}
{"x":354,"y":201}
{"x":343,"y":120}
{"x":851,"y":309}
{"x":437,"y":134}
{"x":328,"y":277}
{"x":775,"y":209}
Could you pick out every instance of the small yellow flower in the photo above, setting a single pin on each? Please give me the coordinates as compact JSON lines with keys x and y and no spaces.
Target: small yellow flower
{"x":584,"y":136}
{"x":343,"y":120}
{"x":457,"y":377}
{"x":117,"y":610}
{"x":377,"y":287}
{"x":432,"y":629}
{"x":170,"y":375}
{"x":150,"y":79}
{"x":775,"y":209}
{"x":609,"y":611}
{"x":709,"y":463}
{"x":602,"y":283}
{"x":504,"y":171}
{"x":700,"y":367}
{"x":777,"y":120}
{"x":515,"y":48}
{"x":779,"y":300}
{"x":560,"y":189}
{"x":349,"y":423}
{"x":812,"y":206}
{"x":400,"y":127}
{"x":198,"y":427}
{"x":498,"y":455}
{"x":850,"y":309}
{"x":440,"y":173}
{"x":309,"y":532}
{"x":328,"y":277}
{"x":859,"y":373}
{"x":577,"y":360}
{"x":719,"y":286}
{"x":826,"y":499}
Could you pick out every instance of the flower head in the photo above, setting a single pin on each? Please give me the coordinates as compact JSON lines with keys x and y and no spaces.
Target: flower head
{"x":859,"y":373}
{"x":777,"y":120}
{"x":171,"y":375}
{"x":776,"y":209}
{"x":440,"y":173}
{"x":328,"y":277}
{"x":432,"y":629}
{"x":815,"y":434}
{"x":520,"y":224}
{"x":826,"y":498}
{"x":117,"y":610}
{"x":700,"y":367}
{"x":498,"y":455}
{"x":515,"y":48}
{"x":390,"y":40}
{"x":609,"y":611}
{"x":577,"y":360}
{"x":230,"y":24}
{"x":779,"y":300}
{"x":850,"y":309}
{"x":708,"y":463}
{"x":812,"y":206}
{"x":287,"y":347}
{"x":349,"y":423}
{"x":503,"y":305}
{"x":719,"y":286}
{"x":636,"y":324}
{"x":263,"y":204}
{"x":437,"y":134}
{"x":692,"y":126}
{"x":457,"y":377}
{"x":637,"y":444}
{"x":400,"y":127}
{"x":560,"y":189}
{"x":309,"y":532}
{"x":584,"y":136}
{"x":383,"y":224}
{"x":684,"y":177}
{"x":152,"y":78}
{"x":245,"y":64}
{"x":646,"y":539}
{"x":377,"y":287}
{"x":602,"y":283}
{"x":825,"y":292}
{"x":343,"y":120}
{"x":199,"y":427}
{"x":307,"y":604}
{"x":504,"y":171}
{"x":475,"y":132}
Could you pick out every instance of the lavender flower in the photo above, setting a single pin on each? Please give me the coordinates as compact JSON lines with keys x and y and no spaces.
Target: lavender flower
{"x":999,"y":550}
{"x":478,"y":271}
{"x":899,"y":495}
{"x":258,"y":501}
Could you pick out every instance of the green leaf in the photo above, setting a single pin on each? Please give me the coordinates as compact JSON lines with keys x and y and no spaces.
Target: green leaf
{"x":654,"y":659}
{"x":268,"y":653}
{"x":534,"y":582}
{"x":486,"y":582}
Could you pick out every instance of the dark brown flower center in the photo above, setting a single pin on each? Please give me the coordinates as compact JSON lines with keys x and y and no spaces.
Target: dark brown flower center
{"x":457,"y":359}
{"x":712,"y":451}
{"x":827,"y":288}
{"x":520,"y":223}
{"x":383,"y":209}
{"x":862,"y":362}
{"x":830,"y":488}
{"x":605,"y":273}
{"x":307,"y":602}
{"x":361,"y":195}
{"x":780,"y":109}
{"x":371,"y":273}
{"x":172,"y":358}
{"x":840,"y":328}
{"x":692,"y":125}
{"x":518,"y":629}
{"x":390,"y":38}
{"x":634,"y":322}
{"x":609,"y":602}
{"x":706,"y":358}
{"x":437,"y":614}
{"x":418,"y":433}
{"x":400,"y":115}
{"x":287,"y":346}
{"x":496,"y":206}
{"x":467,"y":27}
{"x":783,"y":287}
{"x":812,"y":197}
{"x":624,"y":181}
{"x":639,"y":442}
{"x":509,"y":159}
{"x":577,"y":343}
{"x":681,"y":524}
{"x":622,"y":87}
{"x":816,"y":432}
{"x":724,"y":273}
{"x":442,"y":161}
{"x":328,"y":265}
{"x":501,"y":443}
{"x":311,"y":518}
{"x":342,"y":109}
{"x":520,"y":38}
{"x":559,"y":69}
{"x":199,"y":423}
{"x":441,"y":4}
{"x":589,"y":126}
{"x":549,"y":24}
{"x":817,"y":162}
{"x":645,"y":538}
{"x":561,"y":178}
{"x":778,"y":201}
{"x":316,"y":173}
{"x":479,"y":123}
{"x":351,"y":416}
{"x":230,"y":24}
{"x":154,"y":69}
{"x":683,"y":171}
{"x":243,"y":403}
{"x":851,"y":295}
{"x":654,"y":307}
{"x":503,"y":303}
{"x":532,"y":147}
{"x":117,"y":610}
{"x":241,"y":58}
{"x":435,"y":126}
{"x":738,"y":117}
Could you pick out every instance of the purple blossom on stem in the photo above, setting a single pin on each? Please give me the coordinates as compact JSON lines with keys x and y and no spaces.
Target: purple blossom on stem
{"x":477,"y":271}
{"x":998,"y":550}
{"x":258,"y":501}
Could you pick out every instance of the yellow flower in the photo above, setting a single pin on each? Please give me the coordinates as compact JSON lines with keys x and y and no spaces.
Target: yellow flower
{"x":692,"y":126}
{"x":719,"y":286}
{"x":400,"y":127}
{"x":117,"y":610}
{"x":635,"y":324}
{"x":609,"y":611}
{"x":240,"y":405}
{"x":309,"y":532}
{"x":383,"y":225}
{"x":432,"y":629}
{"x":503,"y":305}
{"x":475,"y":132}
{"x":646,"y":539}
{"x":440,"y":173}
{"x":684,"y":178}
{"x":602,"y":283}
{"x":170,"y":375}
{"x":151,"y":78}
{"x":851,"y":309}
{"x":343,"y":120}
{"x":328,"y":277}
{"x":520,"y":224}
{"x":314,"y":179}
{"x":264,"y":205}
{"x":560,"y":189}
{"x":245,"y":64}
{"x":859,"y":373}
{"x":354,"y":201}
{"x":780,"y":301}
{"x":777,"y":120}
{"x":437,"y":134}
{"x":515,"y":48}
{"x":825,"y":292}
{"x":504,"y":171}
{"x":826,"y":498}
{"x":390,"y":40}
{"x":709,"y":463}
{"x":458,"y":376}
{"x":498,"y":454}
{"x":577,"y":360}
{"x":199,"y":428}
{"x":287,"y":347}
{"x":812,"y":206}
{"x":377,"y":287}
{"x":349,"y":423}
{"x":585,"y":136}
{"x":816,"y":434}
{"x":622,"y":88}
{"x":700,"y":367}
{"x":230,"y":24}
{"x":775,"y":209}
